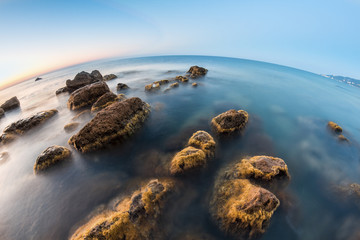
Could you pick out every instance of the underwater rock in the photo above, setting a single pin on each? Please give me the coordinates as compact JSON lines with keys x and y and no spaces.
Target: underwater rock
{"x":121,"y":86}
{"x":10,"y":104}
{"x":82,"y":79}
{"x":114,"y":123}
{"x":230,"y":121}
{"x":174,"y":85}
{"x":88,"y":95}
{"x":109,"y":77}
{"x":343,"y":138}
{"x":51,"y":156}
{"x":2,"y":113}
{"x":136,"y":217}
{"x":61,"y":90}
{"x":182,"y":78}
{"x":23,"y":125}
{"x":4,"y":156}
{"x":350,"y":192}
{"x":70,"y":127}
{"x":334,"y":127}
{"x":106,"y":100}
{"x":83,"y":115}
{"x":152,"y":86}
{"x":194,"y":84}
{"x":189,"y":158}
{"x":203,"y":141}
{"x":242,"y":209}
{"x":196,"y":71}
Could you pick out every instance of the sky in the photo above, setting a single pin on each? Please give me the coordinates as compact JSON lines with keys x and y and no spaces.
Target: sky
{"x":37,"y":36}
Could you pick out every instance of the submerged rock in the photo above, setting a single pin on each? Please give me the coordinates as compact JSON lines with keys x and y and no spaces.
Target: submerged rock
{"x":88,"y":95}
{"x":106,"y":100}
{"x":51,"y":156}
{"x":109,"y":77}
{"x":10,"y":104}
{"x":242,"y":209}
{"x":61,"y":90}
{"x":334,"y":127}
{"x":121,"y":86}
{"x":2,"y":113}
{"x":187,"y":159}
{"x":230,"y":121}
{"x":174,"y":85}
{"x":6,"y":138}
{"x":4,"y":156}
{"x":70,"y":127}
{"x":82,"y":79}
{"x":350,"y":193}
{"x":83,"y":115}
{"x":136,"y":217}
{"x":114,"y":123}
{"x":196,"y":71}
{"x":182,"y":78}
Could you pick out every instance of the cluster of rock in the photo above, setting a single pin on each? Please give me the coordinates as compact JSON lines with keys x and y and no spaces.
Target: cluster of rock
{"x":8,"y":105}
{"x":337,"y":130}
{"x":156,"y":85}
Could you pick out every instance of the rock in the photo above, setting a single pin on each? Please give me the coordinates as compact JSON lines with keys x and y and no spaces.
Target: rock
{"x":70,"y":127}
{"x":230,"y":121}
{"x":87,"y":96}
{"x":162,"y":82}
{"x":203,"y":141}
{"x":152,"y":86}
{"x":2,"y":113}
{"x":242,"y":209}
{"x":6,"y":138}
{"x":4,"y":156}
{"x":121,"y":86}
{"x":189,"y":158}
{"x":83,"y":115}
{"x":194,"y":84}
{"x":350,"y":193}
{"x":334,"y":127}
{"x":174,"y":85}
{"x":10,"y":104}
{"x":21,"y":126}
{"x":82,"y":79}
{"x":182,"y":78}
{"x":136,"y":217}
{"x":51,"y":156}
{"x":343,"y":138}
{"x":109,"y":77}
{"x":106,"y":100}
{"x":61,"y":90}
{"x":196,"y":71}
{"x":114,"y":123}
{"x":38,"y":78}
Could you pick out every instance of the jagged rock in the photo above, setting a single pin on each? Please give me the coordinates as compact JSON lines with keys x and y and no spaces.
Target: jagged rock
{"x":51,"y":156}
{"x":121,"y":86}
{"x":114,"y":123}
{"x":106,"y":100}
{"x":82,"y":79}
{"x":2,"y":113}
{"x":10,"y":104}
{"x":334,"y":127}
{"x":109,"y":77}
{"x":87,"y":96}
{"x":61,"y":90}
{"x":182,"y":78}
{"x":230,"y":121}
{"x":152,"y":86}
{"x":136,"y":217}
{"x":70,"y":127}
{"x":194,"y":84}
{"x":196,"y":71}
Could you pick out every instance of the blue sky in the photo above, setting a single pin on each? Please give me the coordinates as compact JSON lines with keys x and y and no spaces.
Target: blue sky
{"x":41,"y":35}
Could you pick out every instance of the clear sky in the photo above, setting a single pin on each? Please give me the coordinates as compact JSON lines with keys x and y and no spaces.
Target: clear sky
{"x":320,"y":36}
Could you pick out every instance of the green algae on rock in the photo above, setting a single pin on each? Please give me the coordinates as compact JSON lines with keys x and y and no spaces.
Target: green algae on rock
{"x":230,"y":121}
{"x":136,"y":217}
{"x":86,"y":96}
{"x":114,"y":123}
{"x":51,"y":156}
{"x":106,"y":100}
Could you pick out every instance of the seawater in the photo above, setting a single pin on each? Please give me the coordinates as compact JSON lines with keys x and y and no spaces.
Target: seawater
{"x":288,"y":108}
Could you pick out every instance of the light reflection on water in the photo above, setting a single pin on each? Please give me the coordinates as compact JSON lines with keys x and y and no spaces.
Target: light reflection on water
{"x":289,"y":110}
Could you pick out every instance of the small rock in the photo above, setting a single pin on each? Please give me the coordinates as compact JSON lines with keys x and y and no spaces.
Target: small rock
{"x":4,"y":156}
{"x":51,"y":156}
{"x":10,"y":104}
{"x":230,"y":121}
{"x":70,"y":127}
{"x":182,"y":78}
{"x":121,"y":86}
{"x":196,"y":71}
{"x":162,"y":82}
{"x":334,"y":127}
{"x":61,"y":90}
{"x":187,"y":159}
{"x":194,"y":84}
{"x":203,"y":141}
{"x":174,"y":85}
{"x":109,"y":77}
{"x":152,"y":86}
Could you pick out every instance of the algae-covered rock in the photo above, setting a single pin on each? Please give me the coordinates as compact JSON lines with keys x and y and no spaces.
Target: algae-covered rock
{"x":135,"y":218}
{"x":88,"y":95}
{"x":10,"y":104}
{"x":82,"y":79}
{"x":182,"y":78}
{"x":230,"y":121}
{"x":6,"y":138}
{"x":51,"y":156}
{"x":196,"y":71}
{"x":203,"y":141}
{"x":70,"y":127}
{"x":114,"y":123}
{"x":152,"y":87}
{"x":334,"y":127}
{"x":241,"y":209}
{"x":109,"y":77}
{"x":174,"y":85}
{"x":162,"y":82}
{"x":121,"y":86}
{"x":189,"y":158}
{"x":106,"y":100}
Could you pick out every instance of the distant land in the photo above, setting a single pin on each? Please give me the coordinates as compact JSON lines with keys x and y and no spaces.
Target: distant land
{"x":347,"y":80}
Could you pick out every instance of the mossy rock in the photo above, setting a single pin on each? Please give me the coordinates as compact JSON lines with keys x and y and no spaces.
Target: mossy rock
{"x":196,"y":71}
{"x":70,"y":127}
{"x":230,"y":121}
{"x":152,"y":87}
{"x":51,"y":156}
{"x":189,"y":158}
{"x":203,"y":141}
{"x":106,"y":100}
{"x":181,"y":78}
{"x":87,"y":96}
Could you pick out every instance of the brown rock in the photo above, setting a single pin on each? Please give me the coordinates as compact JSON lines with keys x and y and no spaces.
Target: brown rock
{"x":109,"y":77}
{"x":162,"y":82}
{"x":121,"y":86}
{"x":10,"y":104}
{"x":182,"y":78}
{"x":82,"y":79}
{"x":2,"y":113}
{"x":70,"y":127}
{"x":106,"y":100}
{"x":189,"y":158}
{"x":61,"y":90}
{"x":196,"y":71}
{"x":203,"y":141}
{"x":194,"y":84}
{"x":230,"y":121}
{"x":51,"y":156}
{"x":174,"y":85}
{"x":114,"y":123}
{"x":83,"y":115}
{"x":152,"y":86}
{"x":88,"y":95}
{"x":334,"y":127}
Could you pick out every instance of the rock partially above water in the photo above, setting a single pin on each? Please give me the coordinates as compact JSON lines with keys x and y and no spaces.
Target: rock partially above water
{"x":61,"y":90}
{"x":152,"y":86}
{"x":2,"y":113}
{"x":87,"y":96}
{"x":203,"y":141}
{"x":196,"y":71}
{"x":114,"y":123}
{"x":230,"y":121}
{"x":51,"y":156}
{"x":70,"y":127}
{"x":109,"y":77}
{"x":182,"y":78}
{"x":121,"y":86}
{"x":136,"y":217}
{"x":10,"y":104}
{"x":334,"y":127}
{"x":83,"y":115}
{"x":162,"y":82}
{"x":106,"y":100}
{"x":82,"y":79}
{"x":189,"y":158}
{"x":194,"y":84}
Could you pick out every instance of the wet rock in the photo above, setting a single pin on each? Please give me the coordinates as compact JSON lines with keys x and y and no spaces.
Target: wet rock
{"x":152,"y":87}
{"x":182,"y":78}
{"x":189,"y":158}
{"x":194,"y":84}
{"x":121,"y":86}
{"x":136,"y":217}
{"x":38,"y":78}
{"x":4,"y":156}
{"x":174,"y":85}
{"x":230,"y":121}
{"x":2,"y":113}
{"x":334,"y":127}
{"x":106,"y":100}
{"x":203,"y":141}
{"x":162,"y":82}
{"x":343,"y":138}
{"x":83,"y":115}
{"x":51,"y":156}
{"x":241,"y":209}
{"x":87,"y":96}
{"x":61,"y":90}
{"x":109,"y":77}
{"x":82,"y":79}
{"x":70,"y":127}
{"x":196,"y":71}
{"x":21,"y":126}
{"x":114,"y":123}
{"x":10,"y":104}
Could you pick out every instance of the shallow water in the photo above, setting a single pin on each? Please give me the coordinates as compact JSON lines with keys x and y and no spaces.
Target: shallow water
{"x":288,"y":108}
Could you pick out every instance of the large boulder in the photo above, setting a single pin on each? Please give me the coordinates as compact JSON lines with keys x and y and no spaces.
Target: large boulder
{"x":136,"y":217}
{"x":10,"y":104}
{"x":196,"y":71}
{"x":51,"y":156}
{"x":230,"y":121}
{"x":87,"y":96}
{"x":114,"y":123}
{"x":82,"y":79}
{"x":2,"y":113}
{"x":106,"y":100}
